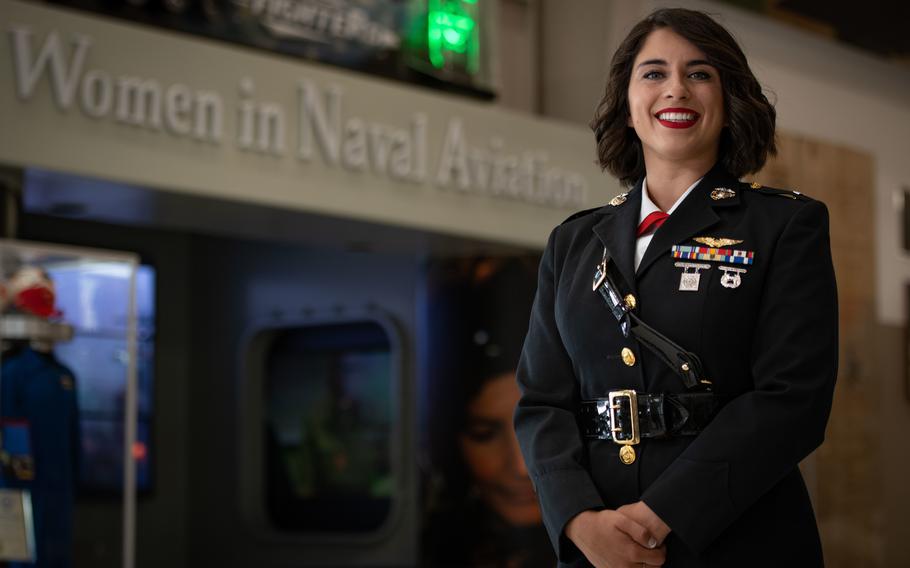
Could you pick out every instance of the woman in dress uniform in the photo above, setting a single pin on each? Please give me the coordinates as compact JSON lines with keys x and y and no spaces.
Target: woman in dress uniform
{"x":664,"y":412}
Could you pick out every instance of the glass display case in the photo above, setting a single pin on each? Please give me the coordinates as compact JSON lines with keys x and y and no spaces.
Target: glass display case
{"x":70,"y":393}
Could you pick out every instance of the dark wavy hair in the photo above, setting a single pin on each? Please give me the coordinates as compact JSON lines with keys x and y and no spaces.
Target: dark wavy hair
{"x":746,"y":140}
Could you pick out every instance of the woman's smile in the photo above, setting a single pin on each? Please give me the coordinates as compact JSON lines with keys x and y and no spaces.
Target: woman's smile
{"x":677,"y":117}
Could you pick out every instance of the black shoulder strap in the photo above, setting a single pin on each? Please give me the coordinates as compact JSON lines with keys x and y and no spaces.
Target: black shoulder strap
{"x":684,"y":363}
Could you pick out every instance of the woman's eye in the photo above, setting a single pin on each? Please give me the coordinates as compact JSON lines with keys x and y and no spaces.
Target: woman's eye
{"x":700,"y":75}
{"x":653,"y":75}
{"x":481,"y":435}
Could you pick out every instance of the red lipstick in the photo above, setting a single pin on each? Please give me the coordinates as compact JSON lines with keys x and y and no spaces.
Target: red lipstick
{"x":677,"y":117}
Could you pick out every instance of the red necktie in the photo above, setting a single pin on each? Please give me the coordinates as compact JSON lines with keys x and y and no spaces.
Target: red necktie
{"x":652,"y":222}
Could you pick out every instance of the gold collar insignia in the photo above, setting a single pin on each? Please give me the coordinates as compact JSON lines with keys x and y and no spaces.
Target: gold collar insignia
{"x":619,"y":199}
{"x":722,"y":193}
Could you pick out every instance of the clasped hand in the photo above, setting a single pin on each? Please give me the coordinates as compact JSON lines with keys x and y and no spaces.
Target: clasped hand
{"x":631,"y":536}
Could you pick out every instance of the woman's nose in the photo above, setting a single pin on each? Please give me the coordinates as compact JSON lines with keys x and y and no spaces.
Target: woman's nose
{"x":677,"y":89}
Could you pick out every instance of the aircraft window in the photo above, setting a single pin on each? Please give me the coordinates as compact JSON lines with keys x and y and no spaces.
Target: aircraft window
{"x":328,"y":426}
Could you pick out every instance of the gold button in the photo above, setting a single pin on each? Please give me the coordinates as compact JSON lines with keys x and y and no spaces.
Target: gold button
{"x":627,"y":356}
{"x":627,"y":455}
{"x":631,"y":302}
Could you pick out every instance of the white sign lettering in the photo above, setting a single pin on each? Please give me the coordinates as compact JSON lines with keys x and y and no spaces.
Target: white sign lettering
{"x":358,"y":144}
{"x":324,"y":128}
{"x":132,"y":100}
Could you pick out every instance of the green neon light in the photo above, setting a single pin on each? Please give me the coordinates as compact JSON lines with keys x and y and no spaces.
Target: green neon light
{"x":452,"y":29}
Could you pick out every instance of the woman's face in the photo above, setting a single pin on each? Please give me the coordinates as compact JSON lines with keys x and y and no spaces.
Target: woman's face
{"x":490,"y":449}
{"x":676,"y":101}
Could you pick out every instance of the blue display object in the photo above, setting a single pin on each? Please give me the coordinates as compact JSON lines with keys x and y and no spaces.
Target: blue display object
{"x":94,"y":300}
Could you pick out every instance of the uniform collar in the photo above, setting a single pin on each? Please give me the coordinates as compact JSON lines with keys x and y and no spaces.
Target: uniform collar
{"x":616,"y":231}
{"x":693,"y":212}
{"x":648,"y":206}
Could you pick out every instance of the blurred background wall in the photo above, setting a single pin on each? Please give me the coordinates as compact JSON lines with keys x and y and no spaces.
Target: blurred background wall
{"x":844,"y":120}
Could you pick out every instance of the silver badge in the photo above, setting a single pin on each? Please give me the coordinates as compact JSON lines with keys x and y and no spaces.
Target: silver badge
{"x":731,"y":277}
{"x":691,"y":275}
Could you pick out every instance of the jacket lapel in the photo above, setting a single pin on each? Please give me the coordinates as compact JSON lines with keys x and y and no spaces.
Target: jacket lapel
{"x":695,"y":214}
{"x":616,"y":231}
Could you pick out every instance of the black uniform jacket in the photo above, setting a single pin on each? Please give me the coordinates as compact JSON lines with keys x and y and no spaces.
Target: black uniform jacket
{"x":733,"y":495}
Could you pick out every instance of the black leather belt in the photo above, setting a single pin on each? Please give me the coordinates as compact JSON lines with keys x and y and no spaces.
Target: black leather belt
{"x":626,"y":417}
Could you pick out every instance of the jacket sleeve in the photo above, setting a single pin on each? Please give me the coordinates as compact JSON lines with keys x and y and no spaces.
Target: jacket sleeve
{"x":761,"y":436}
{"x":545,"y":417}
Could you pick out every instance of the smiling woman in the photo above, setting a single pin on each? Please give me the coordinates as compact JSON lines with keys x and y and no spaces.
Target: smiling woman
{"x":708,"y":65}
{"x":653,"y":407}
{"x":676,"y":107}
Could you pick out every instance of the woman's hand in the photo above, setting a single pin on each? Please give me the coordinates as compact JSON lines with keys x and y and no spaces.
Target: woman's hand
{"x":610,"y":539}
{"x":643,"y":515}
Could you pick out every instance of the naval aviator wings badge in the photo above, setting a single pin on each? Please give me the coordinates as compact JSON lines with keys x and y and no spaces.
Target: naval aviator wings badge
{"x":717,"y":242}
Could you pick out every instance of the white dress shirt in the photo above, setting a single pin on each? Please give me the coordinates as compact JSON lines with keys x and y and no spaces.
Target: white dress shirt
{"x":648,"y":207}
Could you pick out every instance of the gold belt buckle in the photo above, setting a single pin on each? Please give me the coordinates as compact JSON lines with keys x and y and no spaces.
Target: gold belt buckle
{"x":626,"y":452}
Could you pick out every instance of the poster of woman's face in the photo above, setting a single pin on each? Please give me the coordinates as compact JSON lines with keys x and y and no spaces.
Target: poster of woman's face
{"x":480,"y":508}
{"x":490,"y":450}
